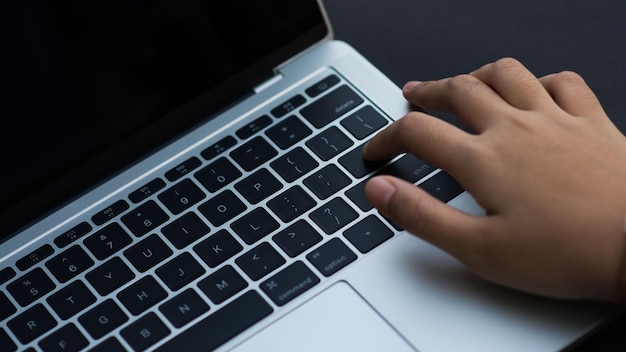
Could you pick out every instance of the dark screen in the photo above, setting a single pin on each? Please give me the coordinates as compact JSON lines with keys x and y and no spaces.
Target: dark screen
{"x":87,"y":87}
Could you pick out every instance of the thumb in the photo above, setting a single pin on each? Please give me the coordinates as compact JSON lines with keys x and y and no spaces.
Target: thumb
{"x":423,"y":215}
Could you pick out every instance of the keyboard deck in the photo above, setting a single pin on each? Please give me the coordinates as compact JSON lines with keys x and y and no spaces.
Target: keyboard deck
{"x":223,"y":239}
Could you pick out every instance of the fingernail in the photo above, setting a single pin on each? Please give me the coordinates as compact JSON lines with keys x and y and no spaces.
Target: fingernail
{"x":411,"y":84}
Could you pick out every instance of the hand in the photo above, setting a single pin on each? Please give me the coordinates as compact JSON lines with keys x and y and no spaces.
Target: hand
{"x":544,"y":161}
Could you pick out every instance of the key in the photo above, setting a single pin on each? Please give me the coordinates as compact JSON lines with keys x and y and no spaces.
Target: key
{"x":102,"y":319}
{"x":69,"y":263}
{"x":180,"y":271}
{"x":368,"y":233}
{"x":218,"y":174}
{"x":331,"y":257}
{"x":222,"y":284}
{"x":217,"y":248}
{"x":142,"y":295}
{"x":224,"y":324}
{"x":109,"y":276}
{"x":183,"y":308}
{"x":331,"y":106}
{"x":333,"y":215}
{"x":289,"y":283}
{"x":185,"y":230}
{"x":32,"y":323}
{"x":291,"y":203}
{"x":145,"y":332}
{"x":71,"y":299}
{"x":181,"y":196}
{"x":260,"y":261}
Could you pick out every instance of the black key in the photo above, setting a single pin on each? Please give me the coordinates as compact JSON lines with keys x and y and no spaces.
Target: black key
{"x":353,"y":162}
{"x":224,"y":324}
{"x":288,"y":132}
{"x":181,"y":196}
{"x":102,"y":319}
{"x":216,"y":149}
{"x":254,"y":153}
{"x":291,"y":203}
{"x":148,"y":253}
{"x":31,"y":286}
{"x":180,"y":271}
{"x":72,"y":234}
{"x":333,"y":215}
{"x":331,"y":106}
{"x":288,"y":106}
{"x":185,"y":230}
{"x":364,"y":122}
{"x":110,"y":212}
{"x":34,"y":257}
{"x":145,"y":218}
{"x":31,"y":324}
{"x":183,"y":169}
{"x":408,"y":168}
{"x":109,"y":276}
{"x":327,"y":181}
{"x":7,"y":274}
{"x":217,"y":174}
{"x":260,"y":261}
{"x":183,"y":308}
{"x":329,"y":143}
{"x":107,"y":241}
{"x":142,"y":295}
{"x":442,"y":186}
{"x":67,"y":338}
{"x":294,"y":164}
{"x":258,"y":186}
{"x":331,"y":257}
{"x":254,"y":127}
{"x":71,"y":299}
{"x":322,"y":86}
{"x":217,"y":248}
{"x":368,"y":233}
{"x":69,"y":263}
{"x":147,"y":190}
{"x":109,"y":345}
{"x":145,"y":332}
{"x":222,"y":208}
{"x":289,"y":283}
{"x":254,"y":225}
{"x":222,"y":284}
{"x":6,"y":342}
{"x":357,"y":195}
{"x":297,"y":238}
{"x":6,"y":307}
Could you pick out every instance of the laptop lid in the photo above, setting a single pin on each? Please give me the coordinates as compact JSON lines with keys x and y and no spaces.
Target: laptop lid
{"x":91,"y":87}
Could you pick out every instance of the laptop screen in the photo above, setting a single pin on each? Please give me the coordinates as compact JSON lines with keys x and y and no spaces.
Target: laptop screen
{"x":88,"y":87}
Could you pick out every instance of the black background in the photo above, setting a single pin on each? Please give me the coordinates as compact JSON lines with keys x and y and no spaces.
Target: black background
{"x":430,"y":39}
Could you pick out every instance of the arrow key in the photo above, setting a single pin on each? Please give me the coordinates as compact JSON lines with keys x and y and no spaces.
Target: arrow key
{"x":368,"y":234}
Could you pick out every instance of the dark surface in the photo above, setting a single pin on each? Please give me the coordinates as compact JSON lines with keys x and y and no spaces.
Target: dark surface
{"x":430,"y":39}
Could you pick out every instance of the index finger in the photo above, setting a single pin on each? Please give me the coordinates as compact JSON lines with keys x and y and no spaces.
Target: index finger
{"x":429,"y":138}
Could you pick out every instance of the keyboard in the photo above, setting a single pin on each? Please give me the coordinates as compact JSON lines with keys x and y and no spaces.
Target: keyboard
{"x":231,"y":234}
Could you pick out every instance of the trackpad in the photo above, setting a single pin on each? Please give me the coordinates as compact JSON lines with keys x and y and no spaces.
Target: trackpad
{"x":337,"y":319}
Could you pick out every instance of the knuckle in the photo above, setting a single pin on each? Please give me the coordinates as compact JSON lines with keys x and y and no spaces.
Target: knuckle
{"x":506,"y":63}
{"x":461,"y":84}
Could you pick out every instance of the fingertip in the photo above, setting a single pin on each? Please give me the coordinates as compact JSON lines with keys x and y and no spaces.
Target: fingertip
{"x":410,"y":85}
{"x":379,"y":192}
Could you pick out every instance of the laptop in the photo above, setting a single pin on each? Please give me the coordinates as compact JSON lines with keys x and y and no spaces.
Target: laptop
{"x":187,"y":175}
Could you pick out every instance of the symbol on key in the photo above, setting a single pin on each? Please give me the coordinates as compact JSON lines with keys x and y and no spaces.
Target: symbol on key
{"x":271,"y":285}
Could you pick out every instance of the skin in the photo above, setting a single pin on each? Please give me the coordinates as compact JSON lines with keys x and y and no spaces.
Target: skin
{"x":544,"y":161}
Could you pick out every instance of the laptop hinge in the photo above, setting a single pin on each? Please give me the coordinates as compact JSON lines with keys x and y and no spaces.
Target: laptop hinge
{"x":275,"y":78}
